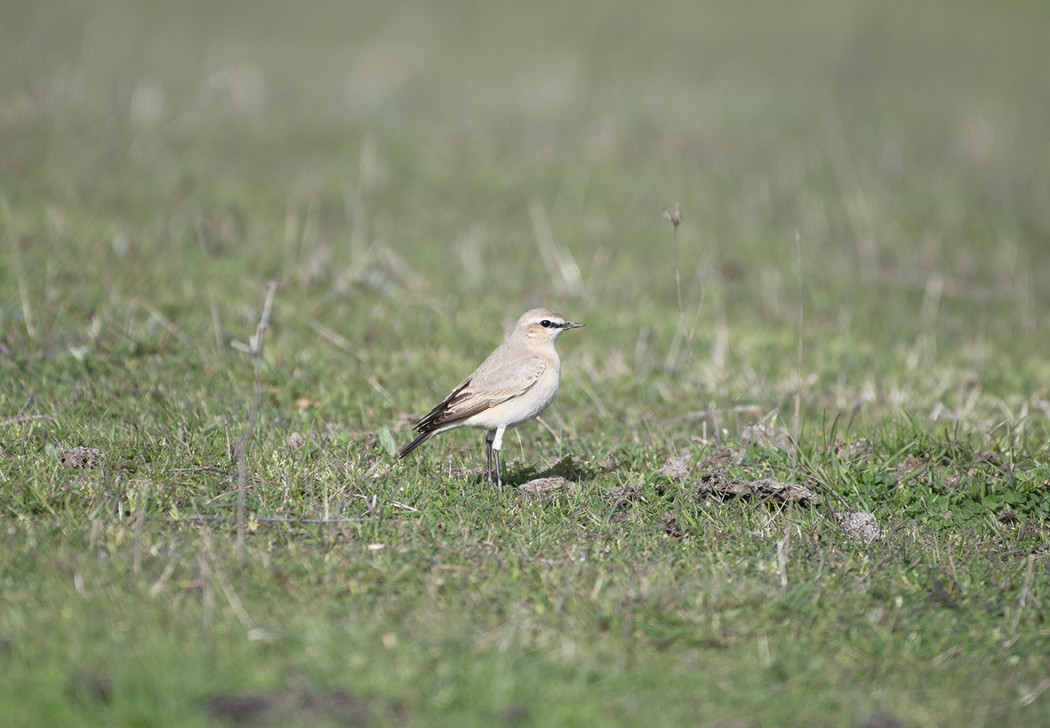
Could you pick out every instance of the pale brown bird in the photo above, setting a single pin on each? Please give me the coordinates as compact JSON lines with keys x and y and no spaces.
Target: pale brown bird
{"x":514,"y":384}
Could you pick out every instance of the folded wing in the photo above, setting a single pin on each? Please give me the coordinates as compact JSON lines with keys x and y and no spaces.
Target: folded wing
{"x":487,"y":387}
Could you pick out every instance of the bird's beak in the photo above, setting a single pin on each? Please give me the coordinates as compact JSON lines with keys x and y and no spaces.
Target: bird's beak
{"x":573,"y":325}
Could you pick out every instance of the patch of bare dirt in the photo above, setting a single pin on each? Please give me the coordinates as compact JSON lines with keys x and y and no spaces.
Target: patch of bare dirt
{"x":909,"y":465}
{"x":623,"y":494}
{"x":85,"y":686}
{"x":944,"y":591}
{"x":721,"y":458}
{"x":679,"y":467}
{"x":671,"y":528}
{"x":718,"y":483}
{"x":294,"y":707}
{"x":516,"y":715}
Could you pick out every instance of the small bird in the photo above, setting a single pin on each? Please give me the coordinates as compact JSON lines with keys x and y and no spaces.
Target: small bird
{"x":514,"y":384}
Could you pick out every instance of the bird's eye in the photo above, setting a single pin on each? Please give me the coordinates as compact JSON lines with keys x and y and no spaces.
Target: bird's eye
{"x":546,"y":323}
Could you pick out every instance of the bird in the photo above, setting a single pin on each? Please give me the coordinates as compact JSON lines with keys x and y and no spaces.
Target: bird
{"x":514,"y":384}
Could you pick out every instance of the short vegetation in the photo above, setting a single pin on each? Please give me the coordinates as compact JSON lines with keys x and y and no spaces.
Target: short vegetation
{"x":798,"y":472}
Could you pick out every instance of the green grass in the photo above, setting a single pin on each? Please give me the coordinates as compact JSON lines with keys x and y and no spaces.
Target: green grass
{"x":879,"y":168}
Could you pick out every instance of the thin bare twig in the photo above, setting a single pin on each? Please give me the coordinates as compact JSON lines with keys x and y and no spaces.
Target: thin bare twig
{"x":255,"y":348}
{"x":202,"y":469}
{"x":20,"y":278}
{"x":24,"y":418}
{"x":798,"y":362}
{"x":270,"y":519}
{"x":683,"y":331}
{"x":165,"y":574}
{"x":211,"y":570}
{"x":333,"y":338}
{"x":1023,"y":600}
{"x":784,"y":550}
{"x":141,"y":508}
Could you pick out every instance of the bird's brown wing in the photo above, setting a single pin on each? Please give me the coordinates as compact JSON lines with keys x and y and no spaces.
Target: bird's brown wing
{"x":488,"y":386}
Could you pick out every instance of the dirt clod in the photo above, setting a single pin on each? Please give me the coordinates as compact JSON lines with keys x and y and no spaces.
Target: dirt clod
{"x":86,"y":686}
{"x":284,"y":707}
{"x":718,"y":483}
{"x":721,"y":458}
{"x":671,"y":528}
{"x":859,"y":526}
{"x":675,"y":468}
{"x":547,"y":487}
{"x":81,"y":457}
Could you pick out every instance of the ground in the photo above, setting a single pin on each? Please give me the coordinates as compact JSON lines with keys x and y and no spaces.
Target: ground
{"x":797,"y":473}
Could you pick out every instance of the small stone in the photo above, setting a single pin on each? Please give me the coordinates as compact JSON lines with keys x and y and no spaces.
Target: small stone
{"x":675,"y":468}
{"x":859,"y":526}
{"x":547,"y":487}
{"x":296,"y":441}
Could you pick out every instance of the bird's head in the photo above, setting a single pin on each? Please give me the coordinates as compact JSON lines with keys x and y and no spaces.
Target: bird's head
{"x":543,"y":325}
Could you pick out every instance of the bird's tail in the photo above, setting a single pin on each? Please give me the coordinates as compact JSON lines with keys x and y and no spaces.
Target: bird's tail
{"x":420,"y":439}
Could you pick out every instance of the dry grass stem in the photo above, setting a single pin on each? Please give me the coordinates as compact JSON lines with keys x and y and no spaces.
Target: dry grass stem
{"x":255,"y":348}
{"x":560,"y":263}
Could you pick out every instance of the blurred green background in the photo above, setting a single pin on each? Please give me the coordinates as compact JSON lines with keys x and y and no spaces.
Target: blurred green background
{"x":418,"y":150}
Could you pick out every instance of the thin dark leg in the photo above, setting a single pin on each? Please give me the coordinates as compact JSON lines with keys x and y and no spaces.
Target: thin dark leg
{"x":499,"y":475}
{"x":489,"y":437}
{"x":493,"y":457}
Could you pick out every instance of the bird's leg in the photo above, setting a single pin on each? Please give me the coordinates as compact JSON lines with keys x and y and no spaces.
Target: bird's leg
{"x":489,"y":437}
{"x":499,"y":475}
{"x":495,"y":441}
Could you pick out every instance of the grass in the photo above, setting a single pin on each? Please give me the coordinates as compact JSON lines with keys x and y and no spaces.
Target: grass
{"x":864,"y":195}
